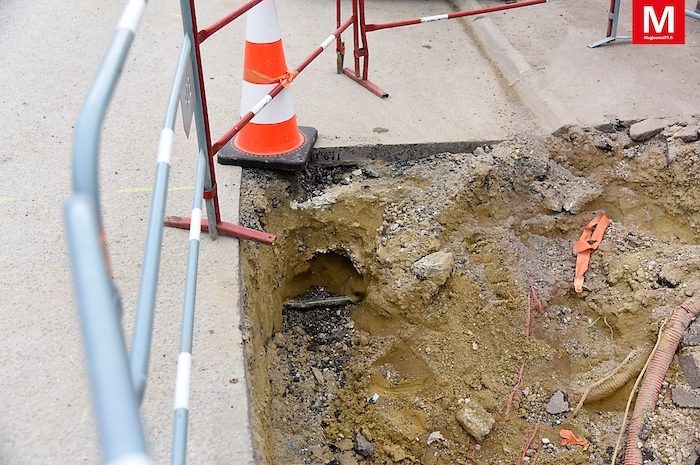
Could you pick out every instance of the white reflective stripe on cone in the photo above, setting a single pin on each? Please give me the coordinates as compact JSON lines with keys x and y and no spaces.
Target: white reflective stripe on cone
{"x":261,"y":23}
{"x":279,"y":110}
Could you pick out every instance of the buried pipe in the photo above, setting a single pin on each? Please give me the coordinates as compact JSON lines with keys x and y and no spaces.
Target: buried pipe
{"x":649,"y":390}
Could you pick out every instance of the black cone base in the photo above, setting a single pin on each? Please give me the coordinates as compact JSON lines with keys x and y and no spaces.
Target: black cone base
{"x":295,"y":160}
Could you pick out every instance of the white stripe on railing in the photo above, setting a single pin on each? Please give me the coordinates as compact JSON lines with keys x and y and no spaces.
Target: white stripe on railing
{"x":328,"y":41}
{"x":131,"y":459}
{"x":427,"y":19}
{"x":196,"y":224}
{"x":132,"y":15}
{"x":182,"y":385}
{"x":165,"y":147}
{"x":254,"y":97}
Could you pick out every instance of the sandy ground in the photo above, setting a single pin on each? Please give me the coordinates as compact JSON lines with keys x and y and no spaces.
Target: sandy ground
{"x":432,"y":342}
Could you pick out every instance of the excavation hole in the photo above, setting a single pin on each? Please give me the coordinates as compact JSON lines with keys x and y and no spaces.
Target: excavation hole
{"x":396,"y":297}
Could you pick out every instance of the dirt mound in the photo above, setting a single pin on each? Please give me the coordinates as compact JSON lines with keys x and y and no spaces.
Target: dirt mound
{"x":444,"y":255}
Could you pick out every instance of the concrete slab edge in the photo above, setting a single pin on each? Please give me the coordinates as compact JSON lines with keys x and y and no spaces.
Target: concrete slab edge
{"x":516,"y":71}
{"x":243,"y":447}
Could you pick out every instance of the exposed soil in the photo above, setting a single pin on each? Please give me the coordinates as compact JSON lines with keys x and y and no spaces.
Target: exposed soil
{"x":331,"y":384}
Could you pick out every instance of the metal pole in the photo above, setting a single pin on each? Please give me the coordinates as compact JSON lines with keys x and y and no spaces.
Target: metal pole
{"x":143,"y":326}
{"x":457,"y":14}
{"x":692,"y":14}
{"x":201,"y":117}
{"x":115,"y":404}
{"x":184,"y":360}
{"x":207,"y":32}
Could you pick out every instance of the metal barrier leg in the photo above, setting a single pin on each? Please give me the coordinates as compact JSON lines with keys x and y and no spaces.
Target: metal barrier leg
{"x":213,"y":224}
{"x":613,"y":19}
{"x":361,"y":53}
{"x":145,"y":307}
{"x":184,"y":360}
{"x":339,"y":44}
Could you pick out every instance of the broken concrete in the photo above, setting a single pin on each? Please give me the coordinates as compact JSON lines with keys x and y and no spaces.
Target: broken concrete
{"x":683,"y":396}
{"x":689,"y":358}
{"x":692,"y":334}
{"x":646,"y":129}
{"x":689,"y":133}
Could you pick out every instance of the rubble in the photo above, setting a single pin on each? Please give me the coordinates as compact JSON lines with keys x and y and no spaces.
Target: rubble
{"x":646,"y":129}
{"x":475,"y":420}
{"x":557,"y":404}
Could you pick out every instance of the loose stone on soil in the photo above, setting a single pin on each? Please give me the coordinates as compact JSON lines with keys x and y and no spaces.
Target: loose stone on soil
{"x":557,"y":404}
{"x":347,"y":459}
{"x":692,"y":335}
{"x":645,"y":130}
{"x":318,"y":375}
{"x":689,"y":358}
{"x":436,"y":267}
{"x":345,"y":445}
{"x":363,"y":446}
{"x":683,"y":396}
{"x":688,"y":133}
{"x":475,"y":420}
{"x":435,"y":436}
{"x":396,"y":453}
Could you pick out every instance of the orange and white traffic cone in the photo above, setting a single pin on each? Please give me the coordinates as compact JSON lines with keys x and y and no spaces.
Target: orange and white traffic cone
{"x":272,"y":138}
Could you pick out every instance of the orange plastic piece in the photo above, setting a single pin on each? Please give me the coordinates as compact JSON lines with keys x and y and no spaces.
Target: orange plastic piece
{"x":569,"y":438}
{"x":260,"y":78}
{"x":589,"y":241}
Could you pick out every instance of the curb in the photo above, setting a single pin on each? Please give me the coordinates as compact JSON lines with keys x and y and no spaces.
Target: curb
{"x":517,"y":72}
{"x":243,"y":449}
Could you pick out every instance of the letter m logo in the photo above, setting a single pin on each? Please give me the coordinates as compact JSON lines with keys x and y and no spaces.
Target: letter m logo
{"x":658,"y":22}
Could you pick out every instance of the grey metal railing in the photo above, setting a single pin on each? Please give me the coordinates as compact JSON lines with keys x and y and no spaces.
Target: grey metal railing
{"x":118,"y":380}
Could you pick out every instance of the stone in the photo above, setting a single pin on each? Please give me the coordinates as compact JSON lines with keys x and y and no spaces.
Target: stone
{"x":435,"y":436}
{"x":345,"y":445}
{"x":316,"y":451}
{"x":685,"y":397}
{"x":318,"y":375}
{"x":645,"y":130}
{"x":436,"y":267}
{"x":363,"y":446}
{"x":346,"y":459}
{"x":475,"y":420}
{"x":396,"y":453}
{"x":689,"y":133}
{"x":557,"y":404}
{"x":692,"y":334}
{"x":689,"y":358}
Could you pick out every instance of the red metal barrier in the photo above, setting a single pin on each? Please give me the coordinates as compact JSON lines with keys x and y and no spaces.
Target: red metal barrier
{"x":360,"y":29}
{"x":230,"y":229}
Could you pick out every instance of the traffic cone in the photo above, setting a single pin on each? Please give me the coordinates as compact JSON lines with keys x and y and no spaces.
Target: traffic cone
{"x":272,"y":138}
